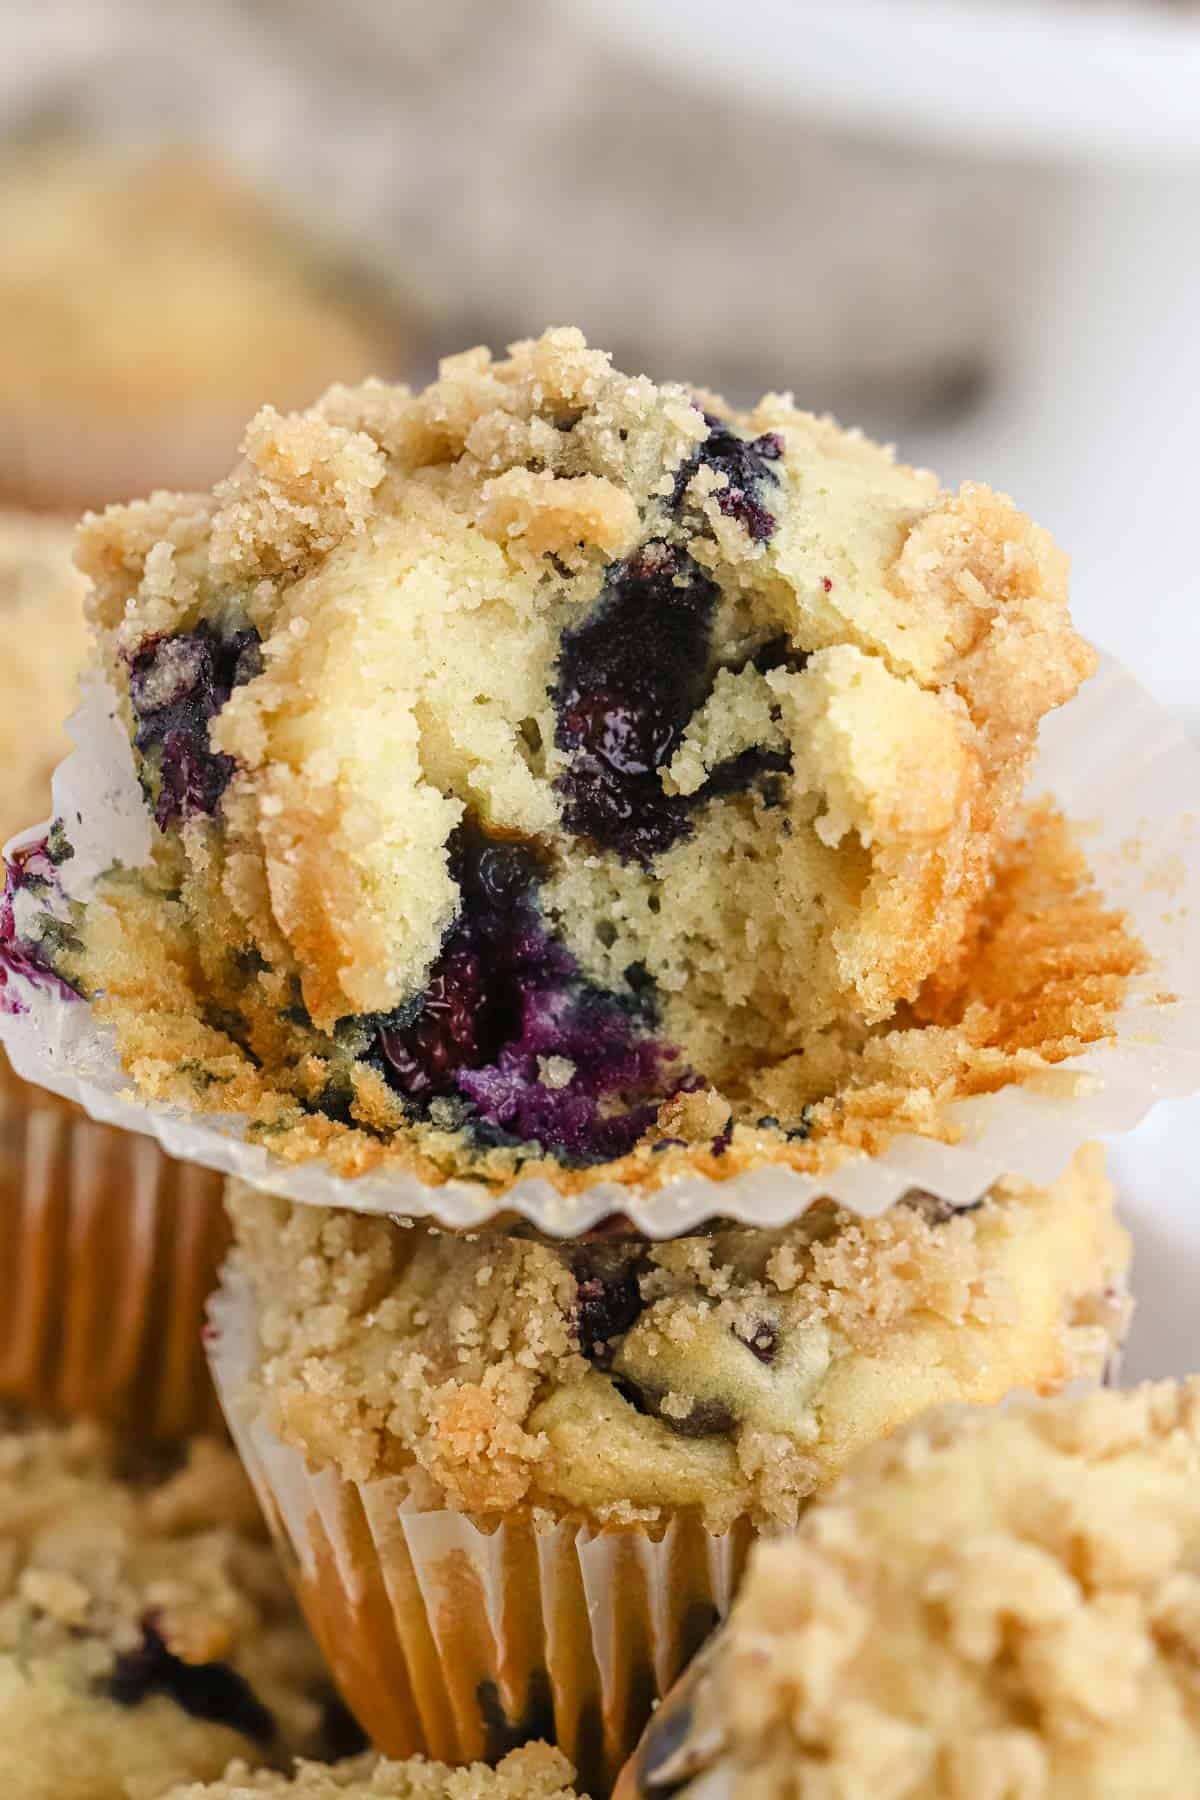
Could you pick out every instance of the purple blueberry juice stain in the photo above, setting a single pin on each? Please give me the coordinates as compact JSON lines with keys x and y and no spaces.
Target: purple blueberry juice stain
{"x":705,"y":1418}
{"x":456,"y":1027}
{"x":509,"y":1026}
{"x":612,"y":1096}
{"x":746,"y":464}
{"x":27,"y":951}
{"x":723,"y":1139}
{"x":177,"y":686}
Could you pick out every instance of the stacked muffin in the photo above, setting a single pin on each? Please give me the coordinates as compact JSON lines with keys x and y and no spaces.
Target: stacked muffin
{"x":562,"y":790}
{"x":542,"y":1463}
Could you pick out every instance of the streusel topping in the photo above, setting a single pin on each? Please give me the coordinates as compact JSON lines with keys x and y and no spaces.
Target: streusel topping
{"x":147,"y":1634}
{"x":536,"y":1772}
{"x":732,"y":1372}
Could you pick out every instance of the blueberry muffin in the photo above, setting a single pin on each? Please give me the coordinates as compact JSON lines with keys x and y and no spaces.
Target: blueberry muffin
{"x":147,"y":305}
{"x":536,"y":1772}
{"x":993,"y":1604}
{"x":43,"y":647}
{"x":729,"y":1374}
{"x":146,"y":1633}
{"x":552,"y":766}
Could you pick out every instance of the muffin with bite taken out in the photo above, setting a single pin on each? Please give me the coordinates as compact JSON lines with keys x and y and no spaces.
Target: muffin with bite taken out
{"x":553,"y":771}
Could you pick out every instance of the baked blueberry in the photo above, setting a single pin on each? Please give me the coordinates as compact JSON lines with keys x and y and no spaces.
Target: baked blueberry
{"x":509,"y":1022}
{"x":207,"y":1690}
{"x":609,"y":1298}
{"x":745,"y":466}
{"x":629,"y":680}
{"x":177,"y":686}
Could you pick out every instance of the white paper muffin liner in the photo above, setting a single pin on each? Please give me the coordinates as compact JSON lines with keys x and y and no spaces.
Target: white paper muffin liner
{"x":461,"y":1640}
{"x":1112,"y":759}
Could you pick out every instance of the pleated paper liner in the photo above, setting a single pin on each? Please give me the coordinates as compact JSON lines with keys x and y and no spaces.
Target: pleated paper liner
{"x":1111,"y":760}
{"x":463,"y":1639}
{"x":108,"y":1252}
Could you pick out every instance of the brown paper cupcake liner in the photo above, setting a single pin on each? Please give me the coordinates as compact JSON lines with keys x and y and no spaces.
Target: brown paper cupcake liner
{"x":462,"y":1639}
{"x":108,"y":1251}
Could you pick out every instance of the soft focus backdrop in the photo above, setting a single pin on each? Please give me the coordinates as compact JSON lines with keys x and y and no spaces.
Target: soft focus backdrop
{"x":973,"y":225}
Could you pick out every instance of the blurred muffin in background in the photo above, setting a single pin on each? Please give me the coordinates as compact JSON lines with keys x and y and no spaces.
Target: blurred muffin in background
{"x":140,"y":290}
{"x":499,"y":169}
{"x":44,"y":642}
{"x":147,"y":1635}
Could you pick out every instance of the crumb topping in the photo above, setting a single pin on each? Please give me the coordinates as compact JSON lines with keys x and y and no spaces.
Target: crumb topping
{"x":731,"y":1372}
{"x":990,"y":1603}
{"x":146,"y":1630}
{"x":536,"y":1772}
